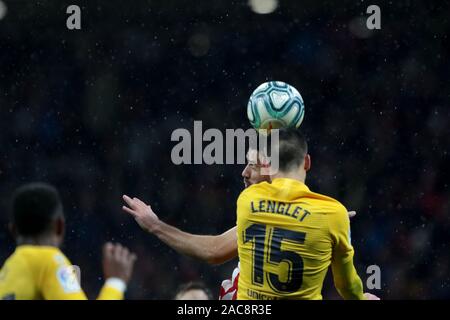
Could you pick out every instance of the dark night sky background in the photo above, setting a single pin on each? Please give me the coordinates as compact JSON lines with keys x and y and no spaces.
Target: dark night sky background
{"x":91,"y":111}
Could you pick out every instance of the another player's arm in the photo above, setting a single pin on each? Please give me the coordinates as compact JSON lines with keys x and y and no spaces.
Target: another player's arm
{"x":118,"y":264}
{"x":346,"y":279}
{"x":55,"y":282}
{"x":212,"y":249}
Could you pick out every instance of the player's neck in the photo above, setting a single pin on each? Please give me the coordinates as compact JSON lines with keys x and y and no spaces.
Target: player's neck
{"x":38,"y":241}
{"x":294,"y":175}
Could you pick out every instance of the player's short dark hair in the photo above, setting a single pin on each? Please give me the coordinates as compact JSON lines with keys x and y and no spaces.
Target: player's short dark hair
{"x":193,"y":285}
{"x":292,"y":148}
{"x":34,"y":207}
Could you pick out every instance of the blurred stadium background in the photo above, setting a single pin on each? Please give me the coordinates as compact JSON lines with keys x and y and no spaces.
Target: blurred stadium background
{"x":92,"y":111}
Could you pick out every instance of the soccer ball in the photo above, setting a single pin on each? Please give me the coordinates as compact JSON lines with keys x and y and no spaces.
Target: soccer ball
{"x":275,"y":105}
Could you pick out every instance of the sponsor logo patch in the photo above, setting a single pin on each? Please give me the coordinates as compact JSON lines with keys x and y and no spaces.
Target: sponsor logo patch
{"x":68,"y":278}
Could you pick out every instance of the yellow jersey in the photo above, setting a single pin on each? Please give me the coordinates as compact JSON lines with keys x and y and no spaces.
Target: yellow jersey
{"x":44,"y":272}
{"x":287,"y":238}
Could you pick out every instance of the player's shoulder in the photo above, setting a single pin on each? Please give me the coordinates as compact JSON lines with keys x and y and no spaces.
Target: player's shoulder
{"x":42,"y":255}
{"x":52,"y":269}
{"x":330,"y":204}
{"x":255,"y":190}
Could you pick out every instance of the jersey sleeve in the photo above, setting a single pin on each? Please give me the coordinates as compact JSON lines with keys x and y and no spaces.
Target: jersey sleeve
{"x":58,"y":279}
{"x":113,"y":289}
{"x":345,"y":277}
{"x":339,"y":224}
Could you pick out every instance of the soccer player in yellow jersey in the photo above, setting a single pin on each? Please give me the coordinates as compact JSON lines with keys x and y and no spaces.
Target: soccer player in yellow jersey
{"x":288,"y":236}
{"x":214,"y":249}
{"x":38,"y":269}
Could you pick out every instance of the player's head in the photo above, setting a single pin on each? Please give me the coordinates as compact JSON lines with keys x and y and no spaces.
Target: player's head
{"x":37,"y":213}
{"x":253,"y":172}
{"x":292,"y":157}
{"x":193,"y":291}
{"x":292,"y":149}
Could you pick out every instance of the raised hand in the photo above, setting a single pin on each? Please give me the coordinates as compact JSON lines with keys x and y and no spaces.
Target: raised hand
{"x":118,"y":262}
{"x":142,"y":213}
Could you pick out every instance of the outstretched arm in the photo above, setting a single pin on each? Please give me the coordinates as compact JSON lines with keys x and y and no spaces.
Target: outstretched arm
{"x":212,"y":249}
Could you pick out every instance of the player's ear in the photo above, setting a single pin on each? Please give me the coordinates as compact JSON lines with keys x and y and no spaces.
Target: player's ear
{"x":307,"y":162}
{"x":60,"y":226}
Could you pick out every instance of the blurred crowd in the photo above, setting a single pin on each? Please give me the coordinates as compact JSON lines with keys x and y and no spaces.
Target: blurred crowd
{"x":92,"y":111}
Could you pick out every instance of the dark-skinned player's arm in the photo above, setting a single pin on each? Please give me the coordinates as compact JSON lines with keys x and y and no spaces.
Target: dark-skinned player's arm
{"x":56,"y":279}
{"x":212,"y":249}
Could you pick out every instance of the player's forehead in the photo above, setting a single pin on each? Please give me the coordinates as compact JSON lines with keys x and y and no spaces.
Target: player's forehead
{"x":256,"y":157}
{"x":252,"y":156}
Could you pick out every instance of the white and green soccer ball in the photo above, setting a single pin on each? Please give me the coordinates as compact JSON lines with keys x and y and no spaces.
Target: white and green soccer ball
{"x":275,"y":105}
